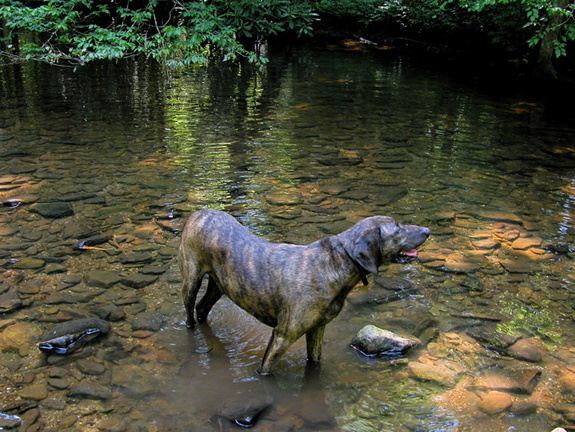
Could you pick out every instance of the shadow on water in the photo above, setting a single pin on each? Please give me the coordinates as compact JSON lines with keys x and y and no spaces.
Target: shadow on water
{"x":101,"y":166}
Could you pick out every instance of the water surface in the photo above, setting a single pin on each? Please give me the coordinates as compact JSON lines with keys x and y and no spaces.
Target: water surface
{"x":319,"y":139}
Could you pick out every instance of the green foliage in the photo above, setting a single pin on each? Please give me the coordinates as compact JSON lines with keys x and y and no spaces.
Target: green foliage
{"x":539,"y":19}
{"x":177,"y":32}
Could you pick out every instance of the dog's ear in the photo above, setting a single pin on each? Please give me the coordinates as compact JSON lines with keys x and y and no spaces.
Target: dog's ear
{"x":366,"y":252}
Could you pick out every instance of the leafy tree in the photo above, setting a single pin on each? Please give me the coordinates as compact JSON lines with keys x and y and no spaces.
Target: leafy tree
{"x":548,"y":25}
{"x":177,"y":32}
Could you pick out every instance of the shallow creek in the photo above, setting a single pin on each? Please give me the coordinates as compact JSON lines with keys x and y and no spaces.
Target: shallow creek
{"x":101,"y":166}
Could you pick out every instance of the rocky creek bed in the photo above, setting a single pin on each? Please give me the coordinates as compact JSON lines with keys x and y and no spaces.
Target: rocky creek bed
{"x":89,"y":252}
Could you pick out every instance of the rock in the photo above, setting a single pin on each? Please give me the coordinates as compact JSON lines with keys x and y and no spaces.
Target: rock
{"x":53,"y":210}
{"x":102,"y":278}
{"x":28,"y":264}
{"x":90,"y":390}
{"x":373,"y":341}
{"x":19,"y":336}
{"x":428,"y":372}
{"x":135,"y":381}
{"x":94,"y":240}
{"x":509,"y":380}
{"x":139,"y":280}
{"x":247,"y":411}
{"x":136,"y":258}
{"x":112,"y":424}
{"x":495,"y":402}
{"x":91,"y":367}
{"x":518,"y":265}
{"x":152,"y":321}
{"x":486,"y":244}
{"x":524,"y":243}
{"x":110,"y":312}
{"x":9,"y":301}
{"x":36,"y":391}
{"x":54,"y":268}
{"x":70,"y":336}
{"x":523,"y":407}
{"x":526,"y":350}
{"x":8,"y":421}
{"x":394,"y":283}
{"x":284,"y":198}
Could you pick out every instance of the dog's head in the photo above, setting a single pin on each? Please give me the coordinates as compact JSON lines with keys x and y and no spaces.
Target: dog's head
{"x":380,"y":239}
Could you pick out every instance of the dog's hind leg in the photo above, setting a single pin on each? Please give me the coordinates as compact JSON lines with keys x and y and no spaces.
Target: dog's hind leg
{"x":314,"y":339}
{"x":212,"y":295}
{"x":192,"y":281}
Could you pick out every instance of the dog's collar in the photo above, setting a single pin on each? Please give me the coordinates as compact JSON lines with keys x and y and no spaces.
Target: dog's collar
{"x":360,"y":269}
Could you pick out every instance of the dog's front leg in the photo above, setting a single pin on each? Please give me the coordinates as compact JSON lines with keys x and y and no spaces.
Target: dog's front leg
{"x":314,"y":339}
{"x":277,"y":346}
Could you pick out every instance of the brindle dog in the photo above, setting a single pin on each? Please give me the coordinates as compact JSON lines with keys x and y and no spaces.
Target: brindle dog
{"x":295,"y":289}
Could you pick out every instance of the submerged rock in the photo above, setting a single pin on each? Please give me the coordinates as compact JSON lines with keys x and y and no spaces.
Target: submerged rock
{"x":245,"y":412}
{"x":427,"y":372}
{"x":53,"y":210}
{"x":374,"y":341}
{"x":70,"y":336}
{"x":494,"y":402}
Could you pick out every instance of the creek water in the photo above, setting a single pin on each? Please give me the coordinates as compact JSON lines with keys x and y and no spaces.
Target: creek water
{"x":321,"y":137}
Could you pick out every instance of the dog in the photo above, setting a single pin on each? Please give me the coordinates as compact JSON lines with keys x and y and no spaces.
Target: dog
{"x":295,"y":289}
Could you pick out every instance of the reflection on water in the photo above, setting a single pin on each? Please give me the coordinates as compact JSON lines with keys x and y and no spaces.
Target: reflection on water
{"x":318,"y":140}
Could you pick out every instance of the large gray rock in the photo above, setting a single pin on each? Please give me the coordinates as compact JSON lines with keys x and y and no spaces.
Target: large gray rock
{"x":374,"y":341}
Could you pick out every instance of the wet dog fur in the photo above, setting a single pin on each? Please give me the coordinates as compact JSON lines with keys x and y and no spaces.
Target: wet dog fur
{"x":295,"y":289}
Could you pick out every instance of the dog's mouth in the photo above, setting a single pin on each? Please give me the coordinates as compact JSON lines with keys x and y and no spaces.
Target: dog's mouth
{"x":406,"y":256}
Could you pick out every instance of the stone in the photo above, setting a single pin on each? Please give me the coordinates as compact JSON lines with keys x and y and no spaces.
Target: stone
{"x":91,"y":367}
{"x":136,"y":258}
{"x":495,"y":402}
{"x":152,"y":321}
{"x":102,"y":278}
{"x":523,"y":407}
{"x":54,"y":268}
{"x":135,"y":381}
{"x":72,"y":335}
{"x":53,"y":210}
{"x":524,"y":243}
{"x":374,"y":341}
{"x":19,"y":336}
{"x":139,"y":280}
{"x":427,"y":372}
{"x":247,"y":411}
{"x":9,"y":422}
{"x":526,"y":350}
{"x":9,"y":301}
{"x":521,"y":380}
{"x":90,"y":390}
{"x":28,"y":264}
{"x":284,"y":198}
{"x":36,"y":391}
{"x":112,"y":424}
{"x":486,"y":244}
{"x":395,"y":283}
